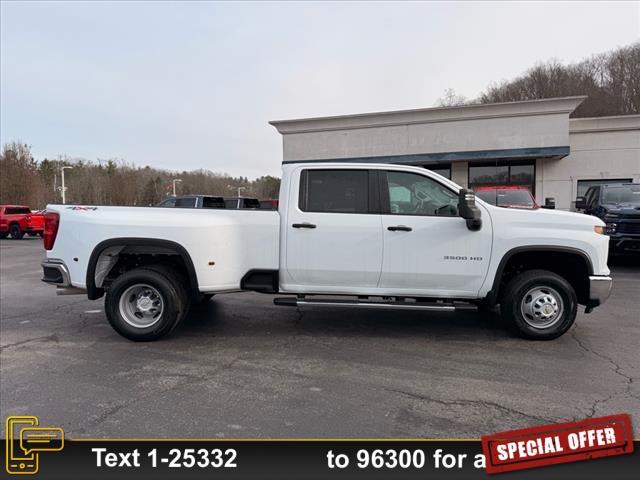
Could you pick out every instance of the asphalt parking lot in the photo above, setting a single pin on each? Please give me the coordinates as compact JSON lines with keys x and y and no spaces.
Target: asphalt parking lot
{"x":242,"y":367}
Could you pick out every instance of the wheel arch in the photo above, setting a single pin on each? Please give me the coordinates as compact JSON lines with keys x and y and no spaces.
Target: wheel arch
{"x":94,"y":292}
{"x":531,"y":251}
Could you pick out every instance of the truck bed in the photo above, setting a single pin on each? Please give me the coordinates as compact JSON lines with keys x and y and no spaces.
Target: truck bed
{"x":223,"y":244}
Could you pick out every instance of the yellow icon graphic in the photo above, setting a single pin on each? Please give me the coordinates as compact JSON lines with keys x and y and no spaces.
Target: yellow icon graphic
{"x":25,"y":441}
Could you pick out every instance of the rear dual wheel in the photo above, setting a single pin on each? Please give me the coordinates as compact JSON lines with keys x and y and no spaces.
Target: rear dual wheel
{"x":146,"y":303}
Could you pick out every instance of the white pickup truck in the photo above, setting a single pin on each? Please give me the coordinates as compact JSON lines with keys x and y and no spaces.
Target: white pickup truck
{"x":349,"y":235}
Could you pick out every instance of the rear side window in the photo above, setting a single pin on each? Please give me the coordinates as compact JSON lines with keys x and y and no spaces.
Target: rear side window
{"x":186,"y":202}
{"x":213,"y":202}
{"x":16,"y":211}
{"x":334,"y":191}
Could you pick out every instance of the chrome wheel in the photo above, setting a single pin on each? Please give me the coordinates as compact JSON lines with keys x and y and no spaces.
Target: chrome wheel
{"x":141,"y":306}
{"x":542,"y":307}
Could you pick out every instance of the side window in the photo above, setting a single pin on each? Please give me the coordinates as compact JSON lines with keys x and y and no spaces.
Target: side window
{"x":593,"y":200}
{"x":413,"y":194}
{"x":334,"y":191}
{"x":587,"y":196}
{"x":213,"y":202}
{"x":188,"y":202}
{"x":170,"y":202}
{"x":17,"y":211}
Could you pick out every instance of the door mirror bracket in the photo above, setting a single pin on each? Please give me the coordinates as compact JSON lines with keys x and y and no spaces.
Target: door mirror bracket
{"x":468,"y":209}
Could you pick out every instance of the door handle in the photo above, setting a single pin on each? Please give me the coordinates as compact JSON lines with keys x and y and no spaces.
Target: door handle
{"x":399,"y":228}
{"x":303,"y":225}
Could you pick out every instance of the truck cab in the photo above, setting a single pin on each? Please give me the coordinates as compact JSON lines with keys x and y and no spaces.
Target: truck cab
{"x":618,"y":205}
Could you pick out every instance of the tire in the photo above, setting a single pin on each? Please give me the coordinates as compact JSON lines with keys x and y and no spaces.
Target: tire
{"x":134,"y":299}
{"x":539,"y":305}
{"x":16,"y":232}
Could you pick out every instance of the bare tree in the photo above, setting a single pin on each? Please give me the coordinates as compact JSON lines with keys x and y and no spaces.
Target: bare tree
{"x":451,"y":99}
{"x":611,"y":82}
{"x":112,"y":181}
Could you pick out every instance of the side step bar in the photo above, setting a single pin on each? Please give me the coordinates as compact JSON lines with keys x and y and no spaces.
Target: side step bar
{"x":402,"y":305}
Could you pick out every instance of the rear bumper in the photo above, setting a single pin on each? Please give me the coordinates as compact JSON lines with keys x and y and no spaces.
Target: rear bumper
{"x":55,"y":272}
{"x":599,"y":291}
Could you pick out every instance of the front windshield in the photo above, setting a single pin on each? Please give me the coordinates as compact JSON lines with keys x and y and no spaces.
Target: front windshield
{"x":507,"y":198}
{"x":621,"y":194}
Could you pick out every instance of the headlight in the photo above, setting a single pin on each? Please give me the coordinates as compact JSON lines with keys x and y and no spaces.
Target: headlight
{"x":611,"y":227}
{"x":599,"y":229}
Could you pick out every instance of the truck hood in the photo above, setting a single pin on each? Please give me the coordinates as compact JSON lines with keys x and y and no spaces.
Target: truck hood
{"x":623,"y":209}
{"x":545,"y":218}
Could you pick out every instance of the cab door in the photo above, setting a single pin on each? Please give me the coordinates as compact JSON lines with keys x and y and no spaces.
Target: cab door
{"x":428,"y":249}
{"x":332,"y":234}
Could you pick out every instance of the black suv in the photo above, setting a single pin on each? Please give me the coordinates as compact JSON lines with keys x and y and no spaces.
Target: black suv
{"x":617,"y":205}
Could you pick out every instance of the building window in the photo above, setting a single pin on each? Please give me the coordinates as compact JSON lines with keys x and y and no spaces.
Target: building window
{"x":334,"y":191}
{"x":503,"y":174}
{"x":583,"y":185}
{"x":441,"y":169}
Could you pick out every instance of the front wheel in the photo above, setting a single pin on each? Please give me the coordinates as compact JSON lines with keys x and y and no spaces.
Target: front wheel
{"x":145,"y":304}
{"x":539,"y":305}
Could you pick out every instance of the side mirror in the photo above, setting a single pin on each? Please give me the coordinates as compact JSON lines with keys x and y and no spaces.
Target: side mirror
{"x":581,"y":203}
{"x":550,"y":203}
{"x":468,"y":210}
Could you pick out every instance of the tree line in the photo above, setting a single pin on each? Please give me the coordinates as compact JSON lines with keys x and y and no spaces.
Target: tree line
{"x":26,"y":181}
{"x":610,"y":80}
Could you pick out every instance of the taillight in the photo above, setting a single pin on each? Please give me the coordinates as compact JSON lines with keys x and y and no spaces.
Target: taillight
{"x":51,"y":222}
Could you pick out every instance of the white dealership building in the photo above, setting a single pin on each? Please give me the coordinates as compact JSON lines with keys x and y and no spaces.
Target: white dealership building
{"x":532,"y":144}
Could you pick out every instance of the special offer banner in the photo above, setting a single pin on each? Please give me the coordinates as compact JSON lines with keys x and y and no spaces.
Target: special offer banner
{"x":559,"y":443}
{"x":594,"y":448}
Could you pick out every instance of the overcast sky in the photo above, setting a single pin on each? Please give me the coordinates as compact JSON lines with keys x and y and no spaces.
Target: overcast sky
{"x":193,"y":85}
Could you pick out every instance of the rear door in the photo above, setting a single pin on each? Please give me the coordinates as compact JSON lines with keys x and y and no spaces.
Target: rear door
{"x":333,"y":236}
{"x":428,"y":249}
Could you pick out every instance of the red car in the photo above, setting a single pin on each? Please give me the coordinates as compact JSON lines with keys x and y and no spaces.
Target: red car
{"x":16,"y":220}
{"x":511,"y":196}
